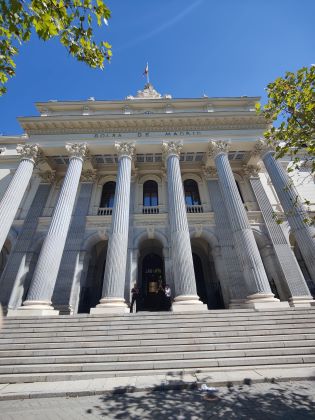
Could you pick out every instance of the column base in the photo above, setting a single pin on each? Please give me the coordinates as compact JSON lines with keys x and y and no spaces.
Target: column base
{"x":301,"y":301}
{"x":110,"y":306}
{"x":34,"y":308}
{"x":188,"y":303}
{"x":236,"y":303}
{"x":264,"y":301}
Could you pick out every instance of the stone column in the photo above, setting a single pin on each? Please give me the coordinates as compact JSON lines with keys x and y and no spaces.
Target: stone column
{"x":260,"y":294}
{"x":12,"y":198}
{"x":291,"y":273}
{"x":291,"y":204}
{"x":113,"y":300}
{"x":38,"y":301}
{"x":186,"y":298}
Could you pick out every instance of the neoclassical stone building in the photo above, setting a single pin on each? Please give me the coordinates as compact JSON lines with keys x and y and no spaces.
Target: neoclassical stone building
{"x":99,"y":195}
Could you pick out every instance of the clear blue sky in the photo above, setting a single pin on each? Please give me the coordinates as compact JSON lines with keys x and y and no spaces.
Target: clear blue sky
{"x":216,"y":47}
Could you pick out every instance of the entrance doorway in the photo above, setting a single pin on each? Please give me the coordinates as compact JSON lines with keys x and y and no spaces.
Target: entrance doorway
{"x":207,"y":283}
{"x":151,"y":278}
{"x":91,"y":290}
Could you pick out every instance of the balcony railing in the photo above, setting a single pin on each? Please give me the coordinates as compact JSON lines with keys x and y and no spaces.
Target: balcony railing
{"x":194,"y":209}
{"x":150,"y":210}
{"x":104,"y":211}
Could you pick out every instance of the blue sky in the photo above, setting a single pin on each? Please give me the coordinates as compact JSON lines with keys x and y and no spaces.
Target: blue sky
{"x":194,"y":47}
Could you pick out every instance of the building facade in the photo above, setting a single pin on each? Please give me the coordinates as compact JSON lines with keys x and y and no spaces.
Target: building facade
{"x":99,"y":195}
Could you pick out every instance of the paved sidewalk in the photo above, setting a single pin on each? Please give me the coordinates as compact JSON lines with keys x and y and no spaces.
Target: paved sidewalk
{"x":286,"y":400}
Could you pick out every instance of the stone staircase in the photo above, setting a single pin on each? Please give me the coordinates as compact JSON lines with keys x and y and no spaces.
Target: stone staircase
{"x":85,"y":347}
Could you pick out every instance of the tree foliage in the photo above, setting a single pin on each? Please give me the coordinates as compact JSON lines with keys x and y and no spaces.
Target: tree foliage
{"x":71,"y":21}
{"x":291,"y":109}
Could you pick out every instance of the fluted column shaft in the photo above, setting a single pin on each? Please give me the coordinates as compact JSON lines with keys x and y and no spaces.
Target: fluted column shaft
{"x":183,"y":268}
{"x":116,"y":259}
{"x":48,"y":263}
{"x":182,"y":261}
{"x":244,"y":240}
{"x":13,"y":195}
{"x":292,"y":206}
{"x":113,"y":300}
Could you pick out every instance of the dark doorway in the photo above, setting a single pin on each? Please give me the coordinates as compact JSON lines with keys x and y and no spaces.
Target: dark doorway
{"x":200,"y":280}
{"x":91,"y":290}
{"x":153,"y":283}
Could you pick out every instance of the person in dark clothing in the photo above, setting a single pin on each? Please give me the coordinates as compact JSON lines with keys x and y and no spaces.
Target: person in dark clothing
{"x":135,"y":293}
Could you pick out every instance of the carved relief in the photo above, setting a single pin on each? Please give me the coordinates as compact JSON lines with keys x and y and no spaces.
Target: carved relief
{"x":148,"y":92}
{"x":209,"y":172}
{"x":88,"y":175}
{"x":217,"y":147}
{"x":78,"y":150}
{"x":251,"y":171}
{"x":47,"y":177}
{"x":28,"y":151}
{"x":171,"y":148}
{"x":125,"y":149}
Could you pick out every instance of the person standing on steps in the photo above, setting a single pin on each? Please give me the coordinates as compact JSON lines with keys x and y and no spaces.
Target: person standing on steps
{"x":168,"y":296}
{"x":135,"y":293}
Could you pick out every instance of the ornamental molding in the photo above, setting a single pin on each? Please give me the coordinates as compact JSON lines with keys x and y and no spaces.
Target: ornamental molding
{"x":126,"y":149}
{"x":47,"y":177}
{"x":152,"y":122}
{"x":2,"y":150}
{"x":28,"y":151}
{"x":148,"y":92}
{"x":250,"y":171}
{"x":262,"y":146}
{"x":78,"y":150}
{"x":88,"y":175}
{"x":170,"y":148}
{"x":216,"y":148}
{"x":209,"y":172}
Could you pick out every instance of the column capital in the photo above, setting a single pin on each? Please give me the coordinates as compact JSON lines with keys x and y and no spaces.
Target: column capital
{"x":170,"y":148}
{"x":28,"y":151}
{"x":262,"y":146}
{"x":78,"y":150}
{"x":125,"y":149}
{"x":216,"y":148}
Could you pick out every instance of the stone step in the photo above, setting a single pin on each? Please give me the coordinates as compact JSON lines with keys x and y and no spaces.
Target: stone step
{"x":98,"y":341}
{"x":155,"y":334}
{"x":72,"y":351}
{"x":146,"y":338}
{"x":139,"y":331}
{"x":98,"y":326}
{"x":73,"y":376}
{"x":163,"y":316}
{"x":173,"y":365}
{"x":155,"y":356}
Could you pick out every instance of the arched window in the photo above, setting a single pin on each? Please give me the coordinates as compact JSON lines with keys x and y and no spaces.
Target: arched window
{"x":108,"y":194}
{"x":192,"y":197}
{"x":150,"y":194}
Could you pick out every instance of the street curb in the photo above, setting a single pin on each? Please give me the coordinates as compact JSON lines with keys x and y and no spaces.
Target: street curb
{"x":179,"y":385}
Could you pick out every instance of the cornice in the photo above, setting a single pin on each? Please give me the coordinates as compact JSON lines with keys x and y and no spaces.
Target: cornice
{"x":126,"y":123}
